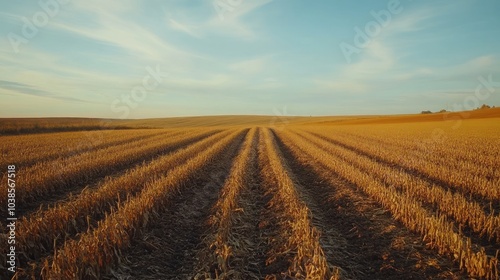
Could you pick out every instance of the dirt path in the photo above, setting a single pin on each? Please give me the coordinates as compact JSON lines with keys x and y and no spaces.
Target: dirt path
{"x":371,"y":244}
{"x":167,"y":249}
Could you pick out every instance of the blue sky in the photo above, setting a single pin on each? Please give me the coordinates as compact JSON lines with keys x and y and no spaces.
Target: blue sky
{"x":143,"y":59}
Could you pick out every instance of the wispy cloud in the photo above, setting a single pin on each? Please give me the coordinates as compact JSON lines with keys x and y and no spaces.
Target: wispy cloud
{"x":250,"y":66}
{"x":116,"y":29}
{"x":377,"y":60}
{"x":245,"y":8}
{"x":379,"y":63}
{"x":14,"y":87}
{"x":470,"y":69}
{"x":232,"y":22}
{"x":262,"y":51}
{"x":175,"y":25}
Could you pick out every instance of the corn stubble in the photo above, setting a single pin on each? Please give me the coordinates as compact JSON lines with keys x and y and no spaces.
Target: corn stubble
{"x":40,"y":230}
{"x":220,"y":246}
{"x":436,"y":229}
{"x":46,"y":178}
{"x":436,"y":190}
{"x":96,"y":250}
{"x":300,"y":239}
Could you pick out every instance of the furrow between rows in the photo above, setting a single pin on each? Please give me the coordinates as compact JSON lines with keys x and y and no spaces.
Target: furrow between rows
{"x":455,"y":205}
{"x":297,"y":247}
{"x":437,"y":230}
{"x":169,"y":247}
{"x":39,"y":233}
{"x":55,"y":180}
{"x":100,"y":249}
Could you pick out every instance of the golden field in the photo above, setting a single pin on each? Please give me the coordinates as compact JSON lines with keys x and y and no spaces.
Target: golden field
{"x":256,"y":197}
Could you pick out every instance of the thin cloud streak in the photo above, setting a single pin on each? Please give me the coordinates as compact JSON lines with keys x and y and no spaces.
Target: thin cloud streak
{"x":30,"y":90}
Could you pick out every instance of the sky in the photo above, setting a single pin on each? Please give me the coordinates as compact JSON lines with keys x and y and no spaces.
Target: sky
{"x":166,"y":58}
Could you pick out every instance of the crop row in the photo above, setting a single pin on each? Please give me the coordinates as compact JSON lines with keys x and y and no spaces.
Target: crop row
{"x":458,"y":151}
{"x":44,"y":179}
{"x":99,"y":248}
{"x":219,"y":244}
{"x":39,"y":231}
{"x":456,"y":205}
{"x":299,"y":235}
{"x":438,"y":160}
{"x":437,"y":231}
{"x":27,"y":150}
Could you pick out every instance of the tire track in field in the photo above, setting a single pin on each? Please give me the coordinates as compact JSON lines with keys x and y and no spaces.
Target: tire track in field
{"x":167,"y":249}
{"x":72,"y":190}
{"x":372,"y":245}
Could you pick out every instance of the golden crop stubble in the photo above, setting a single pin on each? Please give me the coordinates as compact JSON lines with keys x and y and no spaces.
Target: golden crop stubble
{"x":218,"y":242}
{"x":437,"y":231}
{"x":456,"y":205}
{"x":309,"y":261}
{"x":46,"y":178}
{"x":454,"y":161}
{"x":98,"y":250}
{"x":36,"y":233}
{"x":26,"y":150}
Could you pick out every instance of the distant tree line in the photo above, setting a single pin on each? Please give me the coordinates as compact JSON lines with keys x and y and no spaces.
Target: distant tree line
{"x":484,"y":106}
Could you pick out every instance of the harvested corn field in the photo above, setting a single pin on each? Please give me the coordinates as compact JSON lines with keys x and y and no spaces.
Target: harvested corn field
{"x":312,"y":200}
